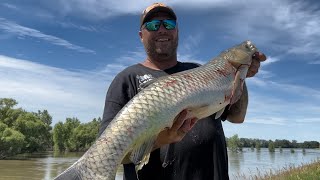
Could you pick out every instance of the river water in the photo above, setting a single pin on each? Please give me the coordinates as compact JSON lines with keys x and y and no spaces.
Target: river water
{"x":47,"y":165}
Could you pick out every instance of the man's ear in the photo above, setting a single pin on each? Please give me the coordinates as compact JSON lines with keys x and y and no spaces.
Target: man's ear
{"x":140,"y":34}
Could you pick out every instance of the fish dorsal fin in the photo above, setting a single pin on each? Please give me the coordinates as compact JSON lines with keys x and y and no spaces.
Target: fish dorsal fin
{"x":140,"y":154}
{"x":219,"y":113}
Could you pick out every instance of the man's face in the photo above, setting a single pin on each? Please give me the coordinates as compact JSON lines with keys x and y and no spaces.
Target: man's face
{"x":160,"y":44}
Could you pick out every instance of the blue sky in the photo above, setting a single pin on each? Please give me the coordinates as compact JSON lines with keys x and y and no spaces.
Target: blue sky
{"x":62,"y":55}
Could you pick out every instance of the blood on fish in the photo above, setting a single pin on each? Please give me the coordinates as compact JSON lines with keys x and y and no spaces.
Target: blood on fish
{"x":129,"y":129}
{"x":187,"y":76}
{"x":170,"y":83}
{"x":226,"y":97}
{"x":222,"y":72}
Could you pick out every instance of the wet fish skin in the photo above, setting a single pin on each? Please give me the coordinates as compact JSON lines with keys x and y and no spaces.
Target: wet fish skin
{"x":204,"y":91}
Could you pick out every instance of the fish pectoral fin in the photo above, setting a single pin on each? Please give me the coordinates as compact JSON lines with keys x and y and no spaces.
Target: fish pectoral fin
{"x":237,"y":88}
{"x":219,"y":113}
{"x":140,"y":154}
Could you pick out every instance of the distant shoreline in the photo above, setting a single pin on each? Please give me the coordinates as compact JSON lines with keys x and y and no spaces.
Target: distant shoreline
{"x":305,"y":171}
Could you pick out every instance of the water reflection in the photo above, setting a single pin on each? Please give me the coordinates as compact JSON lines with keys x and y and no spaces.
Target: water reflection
{"x":272,"y":157}
{"x":235,"y":158}
{"x":48,"y":165}
{"x":255,"y":162}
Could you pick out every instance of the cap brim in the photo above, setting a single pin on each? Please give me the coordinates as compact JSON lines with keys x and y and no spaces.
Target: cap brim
{"x":149,"y":14}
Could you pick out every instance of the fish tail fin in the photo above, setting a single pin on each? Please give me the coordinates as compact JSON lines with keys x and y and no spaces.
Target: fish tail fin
{"x":70,"y":173}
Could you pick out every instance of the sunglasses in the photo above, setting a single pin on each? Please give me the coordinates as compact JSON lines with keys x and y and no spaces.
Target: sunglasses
{"x":154,"y":25}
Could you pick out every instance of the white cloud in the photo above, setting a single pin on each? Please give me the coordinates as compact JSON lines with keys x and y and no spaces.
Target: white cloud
{"x":132,"y":57}
{"x":104,"y":8}
{"x":270,"y":60}
{"x":22,"y":31}
{"x":288,"y":26}
{"x":191,"y":42}
{"x":315,"y":62}
{"x":10,"y":6}
{"x":268,"y":120}
{"x":88,"y":28}
{"x":282,"y":104}
{"x":62,"y":92}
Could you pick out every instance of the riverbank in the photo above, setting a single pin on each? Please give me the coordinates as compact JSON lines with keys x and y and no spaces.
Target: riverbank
{"x":303,"y":172}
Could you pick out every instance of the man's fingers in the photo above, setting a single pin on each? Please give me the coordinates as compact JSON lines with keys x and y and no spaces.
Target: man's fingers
{"x":254,"y":68}
{"x":255,"y":64}
{"x":188,"y":124}
{"x":185,"y":126}
{"x":259,"y":56}
{"x":179,"y":120}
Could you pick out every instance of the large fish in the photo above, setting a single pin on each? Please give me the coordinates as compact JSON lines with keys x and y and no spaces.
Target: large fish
{"x":203,"y":91}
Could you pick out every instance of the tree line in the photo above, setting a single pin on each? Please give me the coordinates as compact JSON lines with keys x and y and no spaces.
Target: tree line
{"x":27,"y":132}
{"x":235,"y":143}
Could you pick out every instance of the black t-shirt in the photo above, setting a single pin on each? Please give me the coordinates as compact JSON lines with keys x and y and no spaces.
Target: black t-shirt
{"x":200,"y":155}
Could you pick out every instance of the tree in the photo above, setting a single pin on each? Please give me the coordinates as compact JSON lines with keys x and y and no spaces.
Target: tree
{"x":271,"y":146}
{"x":10,"y":116}
{"x":69,"y":126}
{"x":294,"y":144}
{"x":280,"y":149}
{"x":74,"y":136}
{"x":59,"y":137}
{"x":11,"y":141}
{"x":258,"y":146}
{"x":7,"y":114}
{"x":35,"y":131}
{"x":84,"y":135}
{"x":7,"y":103}
{"x":44,"y":116}
{"x":234,"y":144}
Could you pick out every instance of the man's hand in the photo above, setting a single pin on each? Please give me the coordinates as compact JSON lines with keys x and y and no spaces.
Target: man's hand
{"x":181,"y":126}
{"x":255,"y":65}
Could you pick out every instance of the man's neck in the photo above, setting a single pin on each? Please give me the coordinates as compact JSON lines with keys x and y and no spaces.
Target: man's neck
{"x":160,"y":65}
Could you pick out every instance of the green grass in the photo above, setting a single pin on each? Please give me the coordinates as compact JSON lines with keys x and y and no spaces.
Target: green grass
{"x":310,"y":171}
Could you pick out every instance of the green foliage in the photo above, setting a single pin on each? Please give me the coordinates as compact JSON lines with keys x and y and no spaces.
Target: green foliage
{"x":83,"y":136}
{"x":247,"y":142}
{"x":59,"y":137}
{"x":22,"y":131}
{"x":258,"y":146}
{"x":44,"y":116}
{"x":234,"y":143}
{"x":292,"y":150}
{"x":7,"y":114}
{"x":7,"y":103}
{"x":74,"y":136}
{"x":36,"y":132}
{"x":11,"y":141}
{"x":271,"y":147}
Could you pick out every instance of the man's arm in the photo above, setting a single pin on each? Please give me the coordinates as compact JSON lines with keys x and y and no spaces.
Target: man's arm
{"x":238,"y":110}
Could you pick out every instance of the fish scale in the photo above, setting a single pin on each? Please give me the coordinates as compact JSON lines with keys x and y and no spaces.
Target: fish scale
{"x":203,"y":91}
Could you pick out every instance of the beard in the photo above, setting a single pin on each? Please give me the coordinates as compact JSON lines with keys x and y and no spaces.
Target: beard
{"x":161,"y":50}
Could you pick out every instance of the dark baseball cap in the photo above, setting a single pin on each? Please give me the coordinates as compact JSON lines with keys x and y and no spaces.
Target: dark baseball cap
{"x":156,"y":7}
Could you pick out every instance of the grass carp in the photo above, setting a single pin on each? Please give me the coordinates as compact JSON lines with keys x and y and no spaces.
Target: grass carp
{"x":203,"y":91}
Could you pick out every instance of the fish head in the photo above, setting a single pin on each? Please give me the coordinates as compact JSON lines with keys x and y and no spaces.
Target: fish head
{"x":241,"y":54}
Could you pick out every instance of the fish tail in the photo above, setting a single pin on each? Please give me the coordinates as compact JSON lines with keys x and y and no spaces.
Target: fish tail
{"x":70,"y":174}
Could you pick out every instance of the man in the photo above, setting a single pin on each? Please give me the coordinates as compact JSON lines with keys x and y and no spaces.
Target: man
{"x":187,"y":150}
